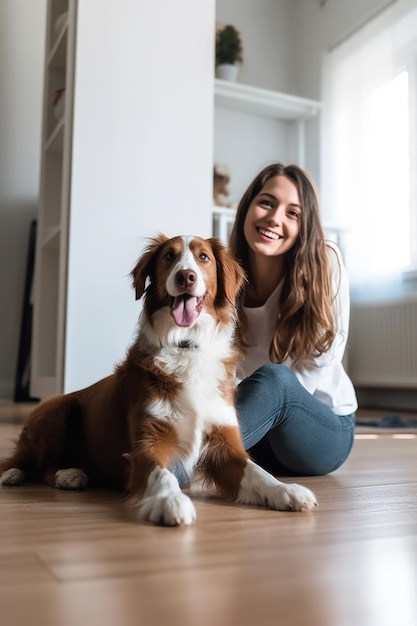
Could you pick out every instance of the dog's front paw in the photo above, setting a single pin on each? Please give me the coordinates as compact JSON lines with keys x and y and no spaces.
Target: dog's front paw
{"x":299,"y":498}
{"x":259,"y":487}
{"x":168,"y":510}
{"x":12,"y":477}
{"x":281,"y":497}
{"x":71,"y":478}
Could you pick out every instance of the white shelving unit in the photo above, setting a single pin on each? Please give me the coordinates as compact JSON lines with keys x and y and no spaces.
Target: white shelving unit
{"x":52,"y":232}
{"x":291,"y":112}
{"x":271,"y":104}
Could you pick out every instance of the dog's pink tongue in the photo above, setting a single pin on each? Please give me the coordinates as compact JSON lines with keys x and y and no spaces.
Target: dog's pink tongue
{"x":184,"y":310}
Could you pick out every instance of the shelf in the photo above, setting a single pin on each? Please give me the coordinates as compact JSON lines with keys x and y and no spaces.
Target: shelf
{"x":263,"y":101}
{"x":55,"y":141}
{"x":49,"y":299}
{"x":57,"y":56}
{"x":224,"y":211}
{"x":52,"y":238}
{"x":223,"y":220}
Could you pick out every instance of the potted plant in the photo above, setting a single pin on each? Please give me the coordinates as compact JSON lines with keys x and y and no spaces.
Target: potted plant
{"x":228,"y":52}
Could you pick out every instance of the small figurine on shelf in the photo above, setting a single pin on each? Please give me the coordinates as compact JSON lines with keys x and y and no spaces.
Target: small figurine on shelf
{"x":221,"y":179}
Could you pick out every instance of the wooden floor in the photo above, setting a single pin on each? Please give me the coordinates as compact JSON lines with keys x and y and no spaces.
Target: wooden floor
{"x":69,"y":559}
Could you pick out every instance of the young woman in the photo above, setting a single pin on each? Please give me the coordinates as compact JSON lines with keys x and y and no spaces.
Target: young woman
{"x":296,"y":404}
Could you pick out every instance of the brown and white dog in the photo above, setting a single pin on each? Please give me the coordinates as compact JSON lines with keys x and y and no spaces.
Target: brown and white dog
{"x":172,"y":398}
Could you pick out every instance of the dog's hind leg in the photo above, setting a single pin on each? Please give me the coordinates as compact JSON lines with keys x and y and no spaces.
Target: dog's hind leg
{"x":69,"y":478}
{"x":42,"y":446}
{"x":15,"y":469}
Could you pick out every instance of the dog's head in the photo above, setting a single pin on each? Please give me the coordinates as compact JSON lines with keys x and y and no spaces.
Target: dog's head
{"x":188,"y":274}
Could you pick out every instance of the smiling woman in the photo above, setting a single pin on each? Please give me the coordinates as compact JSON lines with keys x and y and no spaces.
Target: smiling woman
{"x":296,"y":403}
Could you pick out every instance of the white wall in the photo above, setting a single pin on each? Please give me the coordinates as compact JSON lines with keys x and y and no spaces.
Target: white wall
{"x":142,"y":161}
{"x":234,"y":146}
{"x":316,"y":28}
{"x":266,"y":29}
{"x":22,"y":34}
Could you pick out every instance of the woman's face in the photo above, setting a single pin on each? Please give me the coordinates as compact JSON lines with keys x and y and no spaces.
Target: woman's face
{"x":272,"y":223}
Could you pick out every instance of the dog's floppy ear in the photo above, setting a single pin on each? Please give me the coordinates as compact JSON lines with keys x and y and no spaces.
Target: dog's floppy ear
{"x":230,"y":275}
{"x":145,"y":265}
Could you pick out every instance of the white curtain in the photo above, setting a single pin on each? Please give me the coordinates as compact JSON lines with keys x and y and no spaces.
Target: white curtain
{"x":368,"y":158}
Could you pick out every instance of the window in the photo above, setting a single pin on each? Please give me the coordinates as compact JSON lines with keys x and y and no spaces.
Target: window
{"x":369,"y":177}
{"x":383,"y":225}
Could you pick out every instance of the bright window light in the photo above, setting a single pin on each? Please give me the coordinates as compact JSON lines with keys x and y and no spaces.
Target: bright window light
{"x":385,"y":219}
{"x":368,"y":144}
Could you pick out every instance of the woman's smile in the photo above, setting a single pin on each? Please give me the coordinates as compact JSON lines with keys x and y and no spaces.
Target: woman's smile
{"x":268,"y":234}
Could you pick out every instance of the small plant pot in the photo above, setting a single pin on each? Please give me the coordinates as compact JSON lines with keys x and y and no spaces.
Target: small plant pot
{"x":227,"y":72}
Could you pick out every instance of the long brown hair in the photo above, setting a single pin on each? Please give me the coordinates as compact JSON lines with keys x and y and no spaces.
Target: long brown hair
{"x":305,"y":324}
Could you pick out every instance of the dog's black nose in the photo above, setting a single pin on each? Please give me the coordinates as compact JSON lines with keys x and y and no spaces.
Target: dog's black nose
{"x":185,"y":278}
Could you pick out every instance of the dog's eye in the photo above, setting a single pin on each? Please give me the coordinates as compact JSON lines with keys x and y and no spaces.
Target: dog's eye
{"x":203,"y":256}
{"x":170,"y":256}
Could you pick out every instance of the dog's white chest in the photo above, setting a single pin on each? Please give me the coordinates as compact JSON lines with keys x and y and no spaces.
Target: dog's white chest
{"x":200,"y":374}
{"x":198,"y":403}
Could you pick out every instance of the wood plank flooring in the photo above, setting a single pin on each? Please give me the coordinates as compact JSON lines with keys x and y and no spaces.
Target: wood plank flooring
{"x":73,"y":558}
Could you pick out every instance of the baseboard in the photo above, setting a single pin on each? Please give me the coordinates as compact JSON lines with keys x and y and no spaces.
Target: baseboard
{"x":15,"y":412}
{"x":387,"y":399}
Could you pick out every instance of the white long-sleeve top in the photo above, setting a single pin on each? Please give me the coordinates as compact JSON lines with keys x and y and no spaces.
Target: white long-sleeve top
{"x":323,"y":376}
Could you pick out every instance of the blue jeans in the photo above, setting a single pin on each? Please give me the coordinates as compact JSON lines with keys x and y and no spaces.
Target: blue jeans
{"x":288,"y":431}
